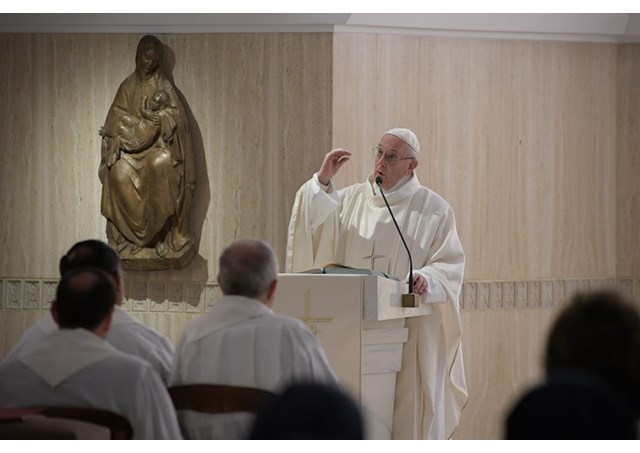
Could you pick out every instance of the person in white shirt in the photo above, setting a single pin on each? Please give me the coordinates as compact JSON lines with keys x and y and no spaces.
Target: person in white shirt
{"x":352,"y":226}
{"x":76,"y":367}
{"x":242,"y":342}
{"x":127,"y":333}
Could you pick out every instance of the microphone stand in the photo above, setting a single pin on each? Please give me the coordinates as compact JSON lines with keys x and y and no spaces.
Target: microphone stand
{"x":410,"y":300}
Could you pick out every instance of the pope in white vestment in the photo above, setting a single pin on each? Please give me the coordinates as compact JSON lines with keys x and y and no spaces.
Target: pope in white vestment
{"x":76,"y":368}
{"x":353,"y":226}
{"x":127,"y":334}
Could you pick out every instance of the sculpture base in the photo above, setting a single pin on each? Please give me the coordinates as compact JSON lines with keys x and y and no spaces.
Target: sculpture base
{"x":148,"y":260}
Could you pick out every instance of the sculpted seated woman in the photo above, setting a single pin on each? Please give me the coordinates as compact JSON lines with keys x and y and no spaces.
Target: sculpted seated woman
{"x":147,"y":167}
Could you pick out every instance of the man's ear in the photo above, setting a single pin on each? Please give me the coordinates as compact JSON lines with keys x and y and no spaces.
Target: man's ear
{"x":271,"y":293}
{"x":118,"y":278}
{"x":54,"y":312}
{"x":103,"y":328}
{"x":413,"y":164}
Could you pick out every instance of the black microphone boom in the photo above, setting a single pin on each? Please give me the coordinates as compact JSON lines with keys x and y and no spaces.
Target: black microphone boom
{"x":411,"y":299}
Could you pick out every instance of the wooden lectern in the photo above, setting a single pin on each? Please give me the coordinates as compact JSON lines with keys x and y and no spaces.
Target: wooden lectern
{"x":360,"y":322}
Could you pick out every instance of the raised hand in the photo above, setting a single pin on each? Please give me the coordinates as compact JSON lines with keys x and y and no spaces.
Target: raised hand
{"x":332,"y":163}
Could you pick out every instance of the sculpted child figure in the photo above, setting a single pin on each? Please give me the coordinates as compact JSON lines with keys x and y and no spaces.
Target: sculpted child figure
{"x":135,"y":134}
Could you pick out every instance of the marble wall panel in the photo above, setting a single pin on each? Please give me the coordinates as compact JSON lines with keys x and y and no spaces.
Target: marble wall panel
{"x":628,"y":160}
{"x":517,"y":135}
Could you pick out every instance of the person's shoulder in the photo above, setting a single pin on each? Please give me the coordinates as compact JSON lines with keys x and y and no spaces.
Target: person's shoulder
{"x":139,"y":337}
{"x":140,"y":328}
{"x":8,"y":367}
{"x":356,"y":190}
{"x":291,"y":324}
{"x":434,"y":198}
{"x":358,"y":187}
{"x":124,"y":363}
{"x":127,"y":373}
{"x":31,"y":337}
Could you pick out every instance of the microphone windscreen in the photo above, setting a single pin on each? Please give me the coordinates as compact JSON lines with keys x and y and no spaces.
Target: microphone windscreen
{"x":379,"y":180}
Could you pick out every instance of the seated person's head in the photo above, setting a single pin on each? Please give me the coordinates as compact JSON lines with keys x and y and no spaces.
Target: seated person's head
{"x":592,"y":366}
{"x":249,"y":268}
{"x":599,"y":333}
{"x":95,"y":253}
{"x":85,"y":298}
{"x":309,"y":411}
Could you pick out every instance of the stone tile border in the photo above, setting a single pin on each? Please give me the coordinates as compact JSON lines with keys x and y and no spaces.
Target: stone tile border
{"x":194,"y":298}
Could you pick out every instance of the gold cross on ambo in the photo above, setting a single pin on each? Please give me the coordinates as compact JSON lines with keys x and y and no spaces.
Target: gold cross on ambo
{"x":308,"y":319}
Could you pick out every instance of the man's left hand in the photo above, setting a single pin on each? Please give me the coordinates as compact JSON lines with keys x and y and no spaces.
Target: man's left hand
{"x":419,"y":284}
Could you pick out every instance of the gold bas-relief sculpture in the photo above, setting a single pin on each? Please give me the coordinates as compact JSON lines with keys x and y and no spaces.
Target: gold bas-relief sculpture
{"x":147,"y":169}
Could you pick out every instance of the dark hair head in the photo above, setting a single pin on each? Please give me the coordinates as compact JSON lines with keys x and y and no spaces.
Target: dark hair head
{"x":573,"y":405}
{"x":309,"y":411}
{"x":84,"y":298}
{"x":90,"y":253}
{"x":598,"y":332}
{"x":247,"y":268}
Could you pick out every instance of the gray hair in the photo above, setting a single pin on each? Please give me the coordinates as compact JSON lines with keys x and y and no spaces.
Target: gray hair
{"x":247,"y":268}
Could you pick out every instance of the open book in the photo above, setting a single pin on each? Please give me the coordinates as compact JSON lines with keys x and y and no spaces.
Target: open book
{"x":337,"y":268}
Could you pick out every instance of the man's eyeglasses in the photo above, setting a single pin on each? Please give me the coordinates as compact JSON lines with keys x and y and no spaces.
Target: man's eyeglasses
{"x":390,"y":158}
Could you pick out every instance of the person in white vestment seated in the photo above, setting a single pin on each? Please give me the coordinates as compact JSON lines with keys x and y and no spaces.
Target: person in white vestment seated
{"x":353,"y":226}
{"x":76,"y":367}
{"x":240,"y":341}
{"x":126,"y":334}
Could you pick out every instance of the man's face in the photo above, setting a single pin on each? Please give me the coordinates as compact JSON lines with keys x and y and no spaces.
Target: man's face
{"x":392,"y":172}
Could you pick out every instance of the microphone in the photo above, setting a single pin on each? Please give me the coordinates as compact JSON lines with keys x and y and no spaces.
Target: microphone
{"x":408,"y":300}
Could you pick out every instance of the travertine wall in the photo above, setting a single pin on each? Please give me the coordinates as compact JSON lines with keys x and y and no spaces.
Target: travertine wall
{"x":521,"y":138}
{"x":628,"y":161}
{"x":534,"y":144}
{"x":261,"y":105}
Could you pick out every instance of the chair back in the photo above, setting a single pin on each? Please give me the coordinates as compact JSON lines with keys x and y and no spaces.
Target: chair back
{"x":217,"y":399}
{"x":36,"y":422}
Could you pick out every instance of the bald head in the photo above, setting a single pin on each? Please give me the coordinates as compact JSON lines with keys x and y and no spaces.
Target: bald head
{"x":247,"y":267}
{"x":90,"y":253}
{"x":84,"y":298}
{"x":95,"y":253}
